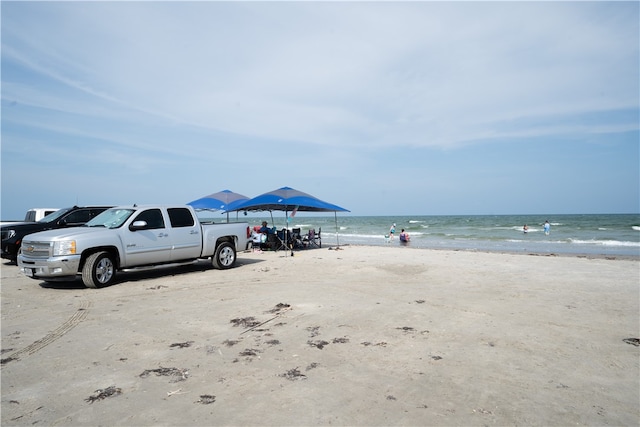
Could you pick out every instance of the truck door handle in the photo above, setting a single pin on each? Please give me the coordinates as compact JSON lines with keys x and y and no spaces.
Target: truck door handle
{"x":194,"y":232}
{"x":163,"y":235}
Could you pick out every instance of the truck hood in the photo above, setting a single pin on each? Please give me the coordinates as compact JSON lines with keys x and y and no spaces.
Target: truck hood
{"x":64,"y":233}
{"x":26,"y":227}
{"x":12,"y":223}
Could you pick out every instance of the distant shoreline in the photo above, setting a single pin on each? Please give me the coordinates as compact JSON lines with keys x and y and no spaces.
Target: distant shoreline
{"x":489,"y":251}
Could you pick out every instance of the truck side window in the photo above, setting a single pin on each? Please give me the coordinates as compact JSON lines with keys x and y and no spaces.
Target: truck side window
{"x":180,"y":217}
{"x":78,"y":217}
{"x":153,"y":217}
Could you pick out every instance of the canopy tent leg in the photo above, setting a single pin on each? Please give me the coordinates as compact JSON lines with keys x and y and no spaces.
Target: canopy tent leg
{"x":335,"y":214}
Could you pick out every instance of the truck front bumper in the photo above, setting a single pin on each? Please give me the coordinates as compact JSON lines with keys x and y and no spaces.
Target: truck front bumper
{"x":9,"y":251}
{"x":51,"y":269}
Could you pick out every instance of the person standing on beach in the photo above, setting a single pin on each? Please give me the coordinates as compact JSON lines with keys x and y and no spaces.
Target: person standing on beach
{"x":392,"y":230}
{"x":547,"y":227}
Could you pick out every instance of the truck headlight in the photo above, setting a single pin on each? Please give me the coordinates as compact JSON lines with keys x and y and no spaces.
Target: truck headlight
{"x":7,"y":234}
{"x":64,"y":247}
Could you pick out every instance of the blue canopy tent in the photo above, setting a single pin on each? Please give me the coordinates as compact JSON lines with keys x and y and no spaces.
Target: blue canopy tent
{"x":289,"y":200}
{"x":223,"y":200}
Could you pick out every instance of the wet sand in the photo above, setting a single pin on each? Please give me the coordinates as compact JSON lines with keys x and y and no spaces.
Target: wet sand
{"x":358,"y":336}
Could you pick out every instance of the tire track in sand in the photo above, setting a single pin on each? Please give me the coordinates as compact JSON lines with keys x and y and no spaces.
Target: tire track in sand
{"x":52,"y":336}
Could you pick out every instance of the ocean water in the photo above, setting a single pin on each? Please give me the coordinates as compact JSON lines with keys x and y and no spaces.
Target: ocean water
{"x":609,"y":235}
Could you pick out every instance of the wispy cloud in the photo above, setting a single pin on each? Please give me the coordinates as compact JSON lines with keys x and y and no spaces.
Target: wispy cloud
{"x":303,"y":71}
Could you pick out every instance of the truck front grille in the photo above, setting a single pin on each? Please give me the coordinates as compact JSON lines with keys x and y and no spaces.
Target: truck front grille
{"x":33,"y":249}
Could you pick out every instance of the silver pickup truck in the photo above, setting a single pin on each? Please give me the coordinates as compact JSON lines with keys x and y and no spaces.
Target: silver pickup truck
{"x":126,"y":237}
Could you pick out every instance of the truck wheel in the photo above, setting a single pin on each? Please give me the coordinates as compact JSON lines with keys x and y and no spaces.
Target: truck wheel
{"x":225,"y":256}
{"x":99,"y":270}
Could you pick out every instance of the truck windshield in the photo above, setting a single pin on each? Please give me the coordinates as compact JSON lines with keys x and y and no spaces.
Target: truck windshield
{"x":111,"y":218}
{"x":53,"y":217}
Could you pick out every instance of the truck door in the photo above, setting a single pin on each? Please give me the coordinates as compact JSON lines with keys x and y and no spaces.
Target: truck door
{"x":150,"y":244}
{"x":186,"y":234}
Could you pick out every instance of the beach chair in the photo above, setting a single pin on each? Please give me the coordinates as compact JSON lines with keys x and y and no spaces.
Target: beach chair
{"x":280,"y":239}
{"x":273,"y":243}
{"x":296,"y":239}
{"x":315,"y":239}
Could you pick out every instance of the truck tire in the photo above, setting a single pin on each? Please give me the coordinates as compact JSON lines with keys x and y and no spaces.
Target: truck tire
{"x":99,"y":270}
{"x":225,"y":256}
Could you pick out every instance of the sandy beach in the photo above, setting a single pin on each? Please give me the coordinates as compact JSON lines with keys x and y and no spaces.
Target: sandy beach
{"x":361,"y":336}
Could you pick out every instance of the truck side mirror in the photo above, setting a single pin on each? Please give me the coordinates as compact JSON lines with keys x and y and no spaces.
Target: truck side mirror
{"x":138,"y":225}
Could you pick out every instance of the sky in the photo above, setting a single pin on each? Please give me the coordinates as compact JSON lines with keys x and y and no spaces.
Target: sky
{"x":383,"y":108}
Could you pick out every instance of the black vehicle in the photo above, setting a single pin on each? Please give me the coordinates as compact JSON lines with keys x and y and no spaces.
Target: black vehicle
{"x":75,"y":216}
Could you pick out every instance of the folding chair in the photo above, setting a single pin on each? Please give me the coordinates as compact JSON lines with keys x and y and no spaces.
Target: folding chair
{"x":273,"y":242}
{"x":314,"y":239}
{"x":280,"y":240}
{"x":318,"y":239}
{"x":296,"y":239}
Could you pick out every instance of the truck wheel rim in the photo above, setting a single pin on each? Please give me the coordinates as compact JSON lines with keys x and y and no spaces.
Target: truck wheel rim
{"x":226,"y":256}
{"x":104,"y":270}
